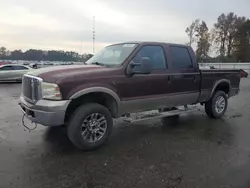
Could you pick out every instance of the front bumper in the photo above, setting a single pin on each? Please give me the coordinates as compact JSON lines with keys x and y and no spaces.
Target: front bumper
{"x":45,"y":112}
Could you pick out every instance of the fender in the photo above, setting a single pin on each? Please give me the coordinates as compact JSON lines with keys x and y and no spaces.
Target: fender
{"x":218,"y":83}
{"x":100,"y":90}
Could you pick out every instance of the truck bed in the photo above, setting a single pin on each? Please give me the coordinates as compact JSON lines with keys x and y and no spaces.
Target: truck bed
{"x":213,"y":77}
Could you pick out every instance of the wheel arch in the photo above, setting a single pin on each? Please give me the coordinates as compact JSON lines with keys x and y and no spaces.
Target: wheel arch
{"x":223,"y":85}
{"x":100,"y":95}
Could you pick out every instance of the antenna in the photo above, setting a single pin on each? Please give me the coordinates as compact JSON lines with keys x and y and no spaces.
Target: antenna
{"x":93,"y":34}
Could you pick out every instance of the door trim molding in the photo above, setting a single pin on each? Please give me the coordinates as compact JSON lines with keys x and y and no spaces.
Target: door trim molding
{"x":156,"y":102}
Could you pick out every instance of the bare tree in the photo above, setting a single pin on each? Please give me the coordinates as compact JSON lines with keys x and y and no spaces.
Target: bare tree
{"x":191,"y":31}
{"x":220,"y":33}
{"x":203,"y":42}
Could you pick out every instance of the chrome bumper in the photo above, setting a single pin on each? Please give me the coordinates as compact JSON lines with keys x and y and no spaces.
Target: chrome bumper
{"x":45,"y":112}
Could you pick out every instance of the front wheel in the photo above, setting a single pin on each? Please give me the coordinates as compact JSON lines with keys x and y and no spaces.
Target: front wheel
{"x":90,"y":126}
{"x":216,"y":106}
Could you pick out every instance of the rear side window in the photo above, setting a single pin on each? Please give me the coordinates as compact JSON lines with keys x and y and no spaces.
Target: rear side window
{"x":181,"y":58}
{"x":155,"y":54}
{"x":19,"y":68}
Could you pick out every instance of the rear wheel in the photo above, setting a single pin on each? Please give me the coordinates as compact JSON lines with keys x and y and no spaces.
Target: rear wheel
{"x":217,"y":105}
{"x":90,"y":126}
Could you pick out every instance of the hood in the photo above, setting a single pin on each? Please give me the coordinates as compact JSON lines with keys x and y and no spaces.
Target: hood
{"x":53,"y":73}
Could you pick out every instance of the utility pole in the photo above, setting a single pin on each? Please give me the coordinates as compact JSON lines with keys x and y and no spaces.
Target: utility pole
{"x":93,"y":34}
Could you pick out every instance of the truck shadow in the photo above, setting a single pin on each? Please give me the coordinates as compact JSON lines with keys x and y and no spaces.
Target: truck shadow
{"x":57,"y":140}
{"x":145,"y":146}
{"x":185,"y":128}
{"x":134,"y":136}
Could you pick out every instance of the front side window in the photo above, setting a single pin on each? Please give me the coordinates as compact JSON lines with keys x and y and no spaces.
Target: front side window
{"x":112,"y":56}
{"x":181,"y":58}
{"x":6,"y":68}
{"x":155,"y":54}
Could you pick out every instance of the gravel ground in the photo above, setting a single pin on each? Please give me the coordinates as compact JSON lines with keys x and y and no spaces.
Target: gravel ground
{"x":192,"y":152}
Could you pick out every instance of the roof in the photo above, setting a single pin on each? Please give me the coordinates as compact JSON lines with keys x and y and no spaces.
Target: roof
{"x":14,"y":65}
{"x":152,"y":42}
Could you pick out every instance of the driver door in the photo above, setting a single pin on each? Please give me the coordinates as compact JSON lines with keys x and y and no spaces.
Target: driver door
{"x":145,"y":91}
{"x":6,"y":72}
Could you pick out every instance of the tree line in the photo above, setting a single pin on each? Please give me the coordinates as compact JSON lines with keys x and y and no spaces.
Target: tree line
{"x":40,"y":55}
{"x":227,"y":41}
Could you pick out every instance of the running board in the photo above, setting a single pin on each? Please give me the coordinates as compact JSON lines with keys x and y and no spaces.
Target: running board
{"x":149,"y":115}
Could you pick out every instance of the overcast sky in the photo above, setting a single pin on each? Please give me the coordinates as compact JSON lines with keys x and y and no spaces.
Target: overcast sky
{"x":67,"y":24}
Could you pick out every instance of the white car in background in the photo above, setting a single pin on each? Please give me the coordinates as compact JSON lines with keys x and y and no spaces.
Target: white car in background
{"x":13,"y":72}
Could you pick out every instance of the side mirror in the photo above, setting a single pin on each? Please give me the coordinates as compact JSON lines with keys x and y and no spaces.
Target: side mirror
{"x":145,"y":67}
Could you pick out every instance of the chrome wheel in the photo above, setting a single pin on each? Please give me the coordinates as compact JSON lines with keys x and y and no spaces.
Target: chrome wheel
{"x":220,"y":104}
{"x":94,"y":127}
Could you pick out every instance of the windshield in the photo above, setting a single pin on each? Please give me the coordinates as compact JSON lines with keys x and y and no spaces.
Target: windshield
{"x":112,"y":56}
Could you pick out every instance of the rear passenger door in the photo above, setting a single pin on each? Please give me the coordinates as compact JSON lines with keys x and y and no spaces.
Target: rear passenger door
{"x":185,"y":76}
{"x":19,"y":71}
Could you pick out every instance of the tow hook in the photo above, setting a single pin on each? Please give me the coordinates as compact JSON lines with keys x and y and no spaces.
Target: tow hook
{"x":23,"y":123}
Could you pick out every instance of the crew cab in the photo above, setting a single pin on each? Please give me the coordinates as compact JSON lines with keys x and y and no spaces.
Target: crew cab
{"x":123,"y":78}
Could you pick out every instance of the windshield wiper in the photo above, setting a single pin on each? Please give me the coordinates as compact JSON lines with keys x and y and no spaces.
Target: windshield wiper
{"x":97,"y":63}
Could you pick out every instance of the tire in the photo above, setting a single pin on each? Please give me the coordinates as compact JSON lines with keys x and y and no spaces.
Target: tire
{"x":211,"y":106}
{"x":83,"y":115}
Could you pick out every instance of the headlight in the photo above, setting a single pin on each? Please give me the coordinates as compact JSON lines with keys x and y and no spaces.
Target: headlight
{"x":51,"y":91}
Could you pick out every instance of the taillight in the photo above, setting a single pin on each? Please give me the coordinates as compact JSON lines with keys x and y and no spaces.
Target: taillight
{"x":239,"y":74}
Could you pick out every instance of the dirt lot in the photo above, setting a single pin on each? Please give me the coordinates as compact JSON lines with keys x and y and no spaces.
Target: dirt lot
{"x":196,"y":152}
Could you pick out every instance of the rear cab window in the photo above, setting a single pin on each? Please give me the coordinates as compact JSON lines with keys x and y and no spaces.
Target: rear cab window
{"x":181,"y":58}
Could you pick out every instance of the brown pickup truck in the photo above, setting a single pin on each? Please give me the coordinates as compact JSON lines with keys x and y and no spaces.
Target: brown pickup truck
{"x":120,"y":79}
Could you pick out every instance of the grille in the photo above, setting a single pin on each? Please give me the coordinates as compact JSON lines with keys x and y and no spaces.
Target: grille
{"x":31,"y":87}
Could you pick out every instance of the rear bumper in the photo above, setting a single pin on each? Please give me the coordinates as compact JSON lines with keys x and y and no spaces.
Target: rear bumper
{"x":45,"y":112}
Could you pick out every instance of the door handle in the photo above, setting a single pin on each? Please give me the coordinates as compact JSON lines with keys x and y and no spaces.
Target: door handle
{"x":169,"y":79}
{"x":194,"y":78}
